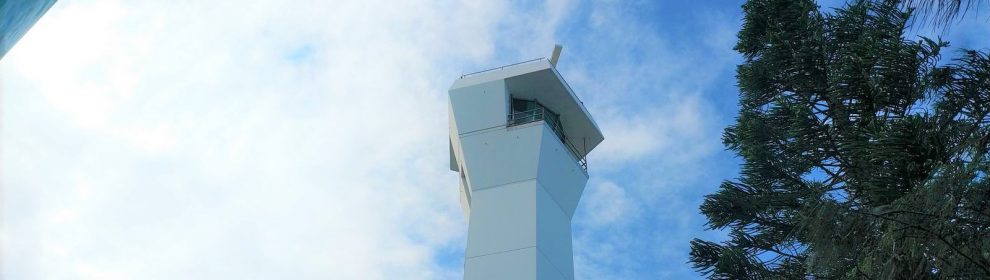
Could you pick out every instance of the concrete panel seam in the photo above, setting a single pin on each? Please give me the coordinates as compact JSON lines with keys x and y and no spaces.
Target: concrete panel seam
{"x":481,"y":130}
{"x":551,"y":262}
{"x":553,"y":199}
{"x":481,"y":188}
{"x":493,"y":128}
{"x":506,"y":251}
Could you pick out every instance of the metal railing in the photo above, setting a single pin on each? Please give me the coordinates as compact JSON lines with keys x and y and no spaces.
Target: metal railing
{"x":541,"y":114}
{"x":500,"y":67}
{"x":524,"y":62}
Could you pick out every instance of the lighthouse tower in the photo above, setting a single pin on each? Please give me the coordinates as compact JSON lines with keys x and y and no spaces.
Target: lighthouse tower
{"x":518,"y":138}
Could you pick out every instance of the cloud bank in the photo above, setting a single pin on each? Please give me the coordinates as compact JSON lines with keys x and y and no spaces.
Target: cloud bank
{"x":307,"y":139}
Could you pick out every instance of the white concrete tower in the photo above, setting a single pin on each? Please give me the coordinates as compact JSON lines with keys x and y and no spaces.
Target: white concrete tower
{"x":518,"y":137}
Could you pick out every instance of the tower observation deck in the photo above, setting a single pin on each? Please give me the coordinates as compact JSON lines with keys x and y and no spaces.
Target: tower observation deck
{"x":519,"y":137}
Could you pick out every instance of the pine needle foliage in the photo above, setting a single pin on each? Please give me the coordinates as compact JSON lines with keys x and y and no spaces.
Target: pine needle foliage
{"x":943,"y":12}
{"x":864,"y":156}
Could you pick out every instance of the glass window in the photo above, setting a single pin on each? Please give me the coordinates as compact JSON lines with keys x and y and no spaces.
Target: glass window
{"x":526,"y":111}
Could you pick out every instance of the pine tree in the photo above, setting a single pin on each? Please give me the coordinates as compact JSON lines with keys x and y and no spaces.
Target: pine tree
{"x":865,"y":154}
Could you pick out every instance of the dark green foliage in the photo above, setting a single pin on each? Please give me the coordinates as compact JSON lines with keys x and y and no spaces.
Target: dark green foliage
{"x":942,"y":12}
{"x":863,"y":157}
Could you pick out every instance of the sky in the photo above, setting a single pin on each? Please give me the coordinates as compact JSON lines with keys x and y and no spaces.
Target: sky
{"x":308,"y":139}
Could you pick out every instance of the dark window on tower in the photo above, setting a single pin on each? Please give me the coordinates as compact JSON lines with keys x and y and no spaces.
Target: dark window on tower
{"x":526,"y":111}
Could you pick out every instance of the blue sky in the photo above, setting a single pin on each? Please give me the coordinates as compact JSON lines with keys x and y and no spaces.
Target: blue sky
{"x":307,"y":139}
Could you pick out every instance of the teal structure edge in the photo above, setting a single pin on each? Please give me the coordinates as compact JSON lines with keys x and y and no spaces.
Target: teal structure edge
{"x":16,"y":17}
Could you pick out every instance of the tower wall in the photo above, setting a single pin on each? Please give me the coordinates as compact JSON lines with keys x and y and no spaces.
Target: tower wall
{"x":519,"y":184}
{"x":523,"y":187}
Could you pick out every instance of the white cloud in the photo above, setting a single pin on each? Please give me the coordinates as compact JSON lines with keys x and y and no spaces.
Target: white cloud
{"x":306,"y":139}
{"x":230,"y":139}
{"x":676,"y":131}
{"x":606,"y":203}
{"x":656,"y":95}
